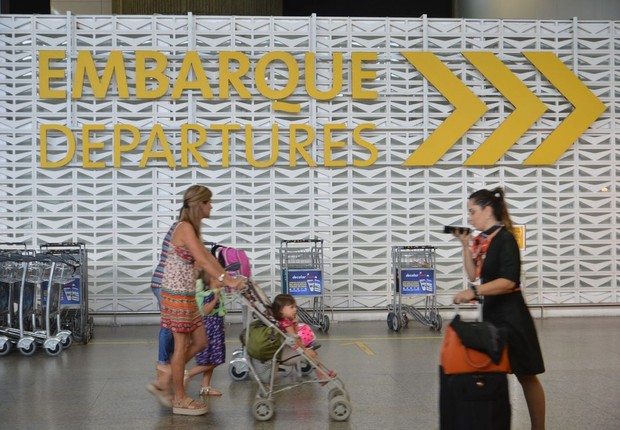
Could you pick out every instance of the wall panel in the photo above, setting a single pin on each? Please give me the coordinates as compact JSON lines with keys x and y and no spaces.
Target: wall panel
{"x":570,"y":207}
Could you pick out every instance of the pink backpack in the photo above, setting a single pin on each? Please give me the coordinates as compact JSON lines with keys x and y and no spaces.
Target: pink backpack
{"x":227,"y":255}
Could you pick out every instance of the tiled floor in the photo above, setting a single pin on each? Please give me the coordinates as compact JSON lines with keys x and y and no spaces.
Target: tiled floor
{"x":391,"y":378}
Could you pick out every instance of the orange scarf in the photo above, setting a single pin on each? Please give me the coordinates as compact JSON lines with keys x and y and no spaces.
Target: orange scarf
{"x":480,"y":245}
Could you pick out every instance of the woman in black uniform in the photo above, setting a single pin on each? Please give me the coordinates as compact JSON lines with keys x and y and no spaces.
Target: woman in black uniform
{"x":494,"y":259}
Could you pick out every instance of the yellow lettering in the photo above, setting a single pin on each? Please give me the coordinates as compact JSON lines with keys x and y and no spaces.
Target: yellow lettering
{"x":43,"y":131}
{"x":249,"y":147}
{"x":228,"y":77}
{"x":225,"y":129}
{"x":157,"y":134}
{"x":358,"y":75}
{"x":330,"y":145}
{"x":85,"y":67}
{"x":192,"y":62}
{"x":192,"y":147}
{"x":144,"y":75}
{"x":88,"y":145}
{"x":118,"y":147}
{"x":261,"y":75}
{"x":46,"y":74}
{"x":300,"y":147}
{"x":357,"y":138}
{"x":311,"y":88}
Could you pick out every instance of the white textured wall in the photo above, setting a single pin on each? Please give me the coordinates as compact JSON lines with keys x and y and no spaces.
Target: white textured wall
{"x":570,"y":208}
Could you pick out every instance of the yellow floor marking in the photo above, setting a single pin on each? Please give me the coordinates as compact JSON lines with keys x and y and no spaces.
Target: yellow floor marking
{"x":362,"y":346}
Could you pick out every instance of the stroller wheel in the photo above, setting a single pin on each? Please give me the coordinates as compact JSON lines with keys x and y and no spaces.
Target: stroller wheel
{"x":238,"y":370}
{"x":335,"y":392}
{"x":339,"y":408}
{"x":263,"y":409}
{"x":306,"y":368}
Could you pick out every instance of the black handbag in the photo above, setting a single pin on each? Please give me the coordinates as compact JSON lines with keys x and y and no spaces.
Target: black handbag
{"x":482,"y":336}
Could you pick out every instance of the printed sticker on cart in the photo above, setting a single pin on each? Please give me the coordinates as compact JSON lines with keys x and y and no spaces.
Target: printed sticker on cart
{"x":418,"y":281}
{"x":305,"y":282}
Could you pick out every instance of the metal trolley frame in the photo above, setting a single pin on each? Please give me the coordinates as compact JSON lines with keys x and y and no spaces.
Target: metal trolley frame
{"x":413,"y":271}
{"x":74,"y":313}
{"x":301,"y":265}
{"x":34,"y":282}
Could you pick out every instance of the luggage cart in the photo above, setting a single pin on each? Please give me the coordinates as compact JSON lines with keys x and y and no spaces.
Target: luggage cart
{"x":10,"y":279}
{"x":74,"y":312}
{"x":33,"y":319}
{"x":39,"y":305}
{"x":413,"y":269}
{"x":301,"y":264}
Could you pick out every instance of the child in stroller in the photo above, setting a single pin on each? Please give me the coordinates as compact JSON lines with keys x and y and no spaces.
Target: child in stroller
{"x":284,"y":309}
{"x":267,"y":348}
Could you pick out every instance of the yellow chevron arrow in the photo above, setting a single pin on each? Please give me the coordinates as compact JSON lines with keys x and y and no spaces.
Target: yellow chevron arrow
{"x":587,"y":108}
{"x":528,"y":108}
{"x":468,"y":109}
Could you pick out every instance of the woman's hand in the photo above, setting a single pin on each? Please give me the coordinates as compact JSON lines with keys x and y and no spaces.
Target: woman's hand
{"x":216,"y":284}
{"x":236,"y":283}
{"x":464,"y":296}
{"x":462,"y":237}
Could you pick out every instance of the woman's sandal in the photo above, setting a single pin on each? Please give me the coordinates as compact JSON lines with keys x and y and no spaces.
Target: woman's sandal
{"x":163,"y":396}
{"x":208,"y":391}
{"x":189,"y":406}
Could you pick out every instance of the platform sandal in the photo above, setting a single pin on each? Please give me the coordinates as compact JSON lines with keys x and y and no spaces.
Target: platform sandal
{"x":189,"y":406}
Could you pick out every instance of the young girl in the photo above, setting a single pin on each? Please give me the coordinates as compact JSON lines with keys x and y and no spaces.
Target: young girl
{"x":284,"y":308}
{"x":211,"y":306}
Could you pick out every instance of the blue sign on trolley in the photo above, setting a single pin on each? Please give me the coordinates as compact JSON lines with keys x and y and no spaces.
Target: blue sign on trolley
{"x":305,"y":282}
{"x":70,"y":294}
{"x":417,"y":281}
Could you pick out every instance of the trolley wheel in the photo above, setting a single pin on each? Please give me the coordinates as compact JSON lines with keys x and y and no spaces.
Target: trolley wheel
{"x":54,"y":350}
{"x":66,"y":342}
{"x":238,"y":371}
{"x":263,"y":409}
{"x":438,"y":323}
{"x":393,"y":321}
{"x":405,"y":319}
{"x":325,"y":324}
{"x":339,"y":408}
{"x":28,"y":349}
{"x":390,"y":319}
{"x":5,"y":348}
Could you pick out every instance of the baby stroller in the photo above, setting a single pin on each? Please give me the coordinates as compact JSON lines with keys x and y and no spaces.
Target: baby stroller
{"x":263,"y":344}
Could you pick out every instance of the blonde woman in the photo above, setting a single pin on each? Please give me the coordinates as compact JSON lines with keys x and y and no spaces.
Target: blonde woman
{"x":179,"y":311}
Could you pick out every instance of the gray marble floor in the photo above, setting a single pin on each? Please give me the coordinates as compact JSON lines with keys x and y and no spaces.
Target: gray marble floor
{"x":391,"y":378}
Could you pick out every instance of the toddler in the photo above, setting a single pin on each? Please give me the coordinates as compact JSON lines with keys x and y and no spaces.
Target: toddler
{"x":211,"y":306}
{"x":284,"y":308}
